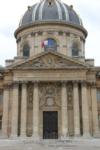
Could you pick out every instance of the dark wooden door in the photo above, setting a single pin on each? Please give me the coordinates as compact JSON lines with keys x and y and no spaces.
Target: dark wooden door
{"x":50,"y":125}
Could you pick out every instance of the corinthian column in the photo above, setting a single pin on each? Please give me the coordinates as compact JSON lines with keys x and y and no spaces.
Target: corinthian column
{"x":5,"y":112}
{"x":36,"y":111}
{"x":14,"y":121}
{"x":76,"y":110}
{"x":85,"y":111}
{"x":23,"y":109}
{"x":64,"y":111}
{"x":95,"y":112}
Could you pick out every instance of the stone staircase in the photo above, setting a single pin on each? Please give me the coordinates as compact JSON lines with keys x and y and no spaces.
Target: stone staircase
{"x":30,"y":144}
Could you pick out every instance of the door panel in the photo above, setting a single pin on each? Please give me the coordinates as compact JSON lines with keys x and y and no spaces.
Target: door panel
{"x":50,"y":125}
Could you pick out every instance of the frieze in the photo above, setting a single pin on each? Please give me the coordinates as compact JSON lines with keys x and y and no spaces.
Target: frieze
{"x":49,"y":94}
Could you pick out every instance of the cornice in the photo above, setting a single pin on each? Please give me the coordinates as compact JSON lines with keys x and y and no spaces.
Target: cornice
{"x":43,"y":23}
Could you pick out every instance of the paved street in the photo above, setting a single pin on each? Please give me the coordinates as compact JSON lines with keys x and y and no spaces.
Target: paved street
{"x":29,"y":144}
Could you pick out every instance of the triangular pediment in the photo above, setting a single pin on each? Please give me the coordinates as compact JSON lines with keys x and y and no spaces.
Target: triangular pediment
{"x":48,"y":60}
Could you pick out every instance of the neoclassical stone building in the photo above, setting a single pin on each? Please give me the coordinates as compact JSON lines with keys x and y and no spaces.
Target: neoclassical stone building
{"x":50,"y":90}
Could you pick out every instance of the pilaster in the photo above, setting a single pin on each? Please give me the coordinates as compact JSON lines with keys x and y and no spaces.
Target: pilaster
{"x":76,"y":109}
{"x":36,"y":111}
{"x":14,"y":123}
{"x":96,"y":132}
{"x":85,"y":110}
{"x":5,"y":112}
{"x":64,"y":112}
{"x":24,"y":110}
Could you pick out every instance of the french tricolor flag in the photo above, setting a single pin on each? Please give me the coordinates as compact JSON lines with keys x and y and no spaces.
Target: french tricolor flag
{"x":48,"y":43}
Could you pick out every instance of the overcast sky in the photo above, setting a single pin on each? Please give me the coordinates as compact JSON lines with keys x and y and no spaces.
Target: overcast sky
{"x":12,"y":10}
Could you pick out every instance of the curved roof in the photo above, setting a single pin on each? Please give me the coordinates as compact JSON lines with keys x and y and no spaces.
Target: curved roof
{"x":50,"y":10}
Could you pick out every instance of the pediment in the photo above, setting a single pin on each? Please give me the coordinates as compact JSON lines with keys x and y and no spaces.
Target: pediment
{"x":49,"y":60}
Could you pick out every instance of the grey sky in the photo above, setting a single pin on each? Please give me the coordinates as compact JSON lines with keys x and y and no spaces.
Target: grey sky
{"x":12,"y":10}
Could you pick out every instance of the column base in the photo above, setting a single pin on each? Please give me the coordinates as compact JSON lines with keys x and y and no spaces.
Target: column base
{"x":86,"y":136}
{"x":77,"y":135}
{"x":36,"y":138}
{"x":64,"y":137}
{"x":14,"y":136}
{"x":3,"y":135}
{"x":96,"y":135}
{"x":23,"y":136}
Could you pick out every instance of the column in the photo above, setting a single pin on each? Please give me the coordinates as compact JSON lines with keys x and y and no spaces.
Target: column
{"x":14,"y":123}
{"x":5,"y":112}
{"x":95,"y":112}
{"x":76,"y":110}
{"x":85,"y":111}
{"x":64,"y":111}
{"x":23,"y":110}
{"x":36,"y":111}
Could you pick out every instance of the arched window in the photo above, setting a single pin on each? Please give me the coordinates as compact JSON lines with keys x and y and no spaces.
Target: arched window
{"x":75,"y":49}
{"x":49,"y":44}
{"x":26,"y":51}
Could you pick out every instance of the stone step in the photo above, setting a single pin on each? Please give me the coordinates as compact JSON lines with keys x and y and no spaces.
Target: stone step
{"x":30,"y":144}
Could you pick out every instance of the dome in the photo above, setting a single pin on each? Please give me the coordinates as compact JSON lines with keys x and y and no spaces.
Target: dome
{"x":50,"y":10}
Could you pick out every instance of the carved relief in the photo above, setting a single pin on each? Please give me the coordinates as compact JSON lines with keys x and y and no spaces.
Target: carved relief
{"x":48,"y":61}
{"x":70,"y":95}
{"x":30,"y":95}
{"x":50,"y":95}
{"x":29,"y":109}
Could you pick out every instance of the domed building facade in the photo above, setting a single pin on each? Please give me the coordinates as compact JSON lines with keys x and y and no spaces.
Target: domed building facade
{"x":50,"y":90}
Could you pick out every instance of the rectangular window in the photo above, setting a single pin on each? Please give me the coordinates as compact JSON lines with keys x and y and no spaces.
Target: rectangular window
{"x":98,"y":94}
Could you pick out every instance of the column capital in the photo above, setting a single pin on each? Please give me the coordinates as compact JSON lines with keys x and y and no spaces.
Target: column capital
{"x":93,"y":84}
{"x":83,"y":83}
{"x":15,"y":83}
{"x":64,"y":83}
{"x":76,"y":82}
{"x":7,"y":86}
{"x":36,"y":81}
{"x":24,"y":83}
